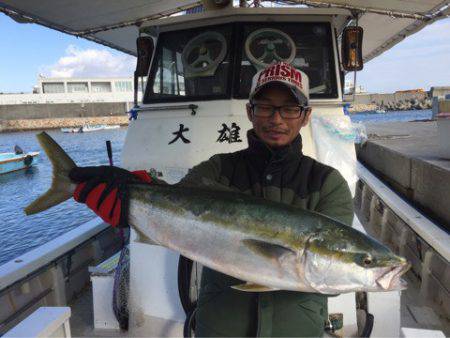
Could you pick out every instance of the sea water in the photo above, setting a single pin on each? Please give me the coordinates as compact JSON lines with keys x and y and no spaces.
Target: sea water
{"x":20,"y":233}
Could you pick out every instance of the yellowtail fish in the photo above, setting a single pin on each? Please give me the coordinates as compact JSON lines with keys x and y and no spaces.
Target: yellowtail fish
{"x":271,"y":246}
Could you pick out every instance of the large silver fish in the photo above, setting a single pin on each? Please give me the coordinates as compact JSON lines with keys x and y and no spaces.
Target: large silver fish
{"x":270,"y":245}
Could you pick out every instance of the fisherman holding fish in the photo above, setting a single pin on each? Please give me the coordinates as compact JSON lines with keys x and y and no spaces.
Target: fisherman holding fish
{"x":272,"y":167}
{"x":278,"y":262}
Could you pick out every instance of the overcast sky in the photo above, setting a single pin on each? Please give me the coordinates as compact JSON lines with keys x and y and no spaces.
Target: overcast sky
{"x":420,"y":61}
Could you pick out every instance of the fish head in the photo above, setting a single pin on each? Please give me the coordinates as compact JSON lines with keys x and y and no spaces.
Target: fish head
{"x":343,"y":260}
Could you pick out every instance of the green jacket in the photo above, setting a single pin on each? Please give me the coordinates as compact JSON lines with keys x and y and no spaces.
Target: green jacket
{"x":286,"y":176}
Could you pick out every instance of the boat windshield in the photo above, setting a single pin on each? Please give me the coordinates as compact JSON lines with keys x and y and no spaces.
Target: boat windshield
{"x":218,"y":62}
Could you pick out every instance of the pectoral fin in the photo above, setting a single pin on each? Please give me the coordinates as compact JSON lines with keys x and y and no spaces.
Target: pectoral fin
{"x":252,"y":287}
{"x":268,"y":250}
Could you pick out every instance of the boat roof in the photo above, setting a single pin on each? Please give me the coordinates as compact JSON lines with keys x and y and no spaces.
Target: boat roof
{"x":116,"y":23}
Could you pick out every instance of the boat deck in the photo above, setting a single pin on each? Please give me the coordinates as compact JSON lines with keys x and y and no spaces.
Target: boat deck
{"x":82,"y":319}
{"x":414,"y":314}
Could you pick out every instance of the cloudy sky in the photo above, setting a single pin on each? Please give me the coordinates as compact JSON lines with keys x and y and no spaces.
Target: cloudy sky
{"x":420,"y":61}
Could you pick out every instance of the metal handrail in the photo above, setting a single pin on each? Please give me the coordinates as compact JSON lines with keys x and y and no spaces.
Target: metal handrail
{"x":192,"y":107}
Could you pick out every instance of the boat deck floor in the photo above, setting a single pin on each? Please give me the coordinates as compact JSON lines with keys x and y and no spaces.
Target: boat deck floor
{"x":82,"y":319}
{"x":414,"y":314}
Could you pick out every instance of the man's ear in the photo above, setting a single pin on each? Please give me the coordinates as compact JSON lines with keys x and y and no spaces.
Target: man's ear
{"x":249,"y":112}
{"x":307,"y":117}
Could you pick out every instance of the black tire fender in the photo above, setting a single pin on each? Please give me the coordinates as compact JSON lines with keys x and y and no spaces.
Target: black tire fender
{"x":28,"y":160}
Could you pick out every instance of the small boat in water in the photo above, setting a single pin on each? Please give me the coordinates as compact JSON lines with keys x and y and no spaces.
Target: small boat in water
{"x":17,"y":160}
{"x":71,"y":130}
{"x":87,"y":128}
{"x":112,"y":126}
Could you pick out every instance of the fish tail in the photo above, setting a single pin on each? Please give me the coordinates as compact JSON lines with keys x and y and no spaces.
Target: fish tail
{"x":62,"y":188}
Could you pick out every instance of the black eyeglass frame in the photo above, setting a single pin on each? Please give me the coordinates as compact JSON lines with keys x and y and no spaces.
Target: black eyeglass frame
{"x":303,"y":109}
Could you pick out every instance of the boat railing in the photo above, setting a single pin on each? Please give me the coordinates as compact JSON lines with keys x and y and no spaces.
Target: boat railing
{"x":44,"y":322}
{"x":409,"y":233}
{"x":422,"y":225}
{"x":54,"y":273}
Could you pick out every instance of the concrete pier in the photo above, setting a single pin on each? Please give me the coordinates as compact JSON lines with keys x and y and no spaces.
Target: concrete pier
{"x":406,"y":155}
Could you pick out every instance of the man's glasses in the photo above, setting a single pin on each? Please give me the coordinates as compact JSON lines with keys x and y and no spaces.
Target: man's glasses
{"x":286,"y":112}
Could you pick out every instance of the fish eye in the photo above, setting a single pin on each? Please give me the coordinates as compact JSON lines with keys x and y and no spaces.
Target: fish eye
{"x":367,"y":260}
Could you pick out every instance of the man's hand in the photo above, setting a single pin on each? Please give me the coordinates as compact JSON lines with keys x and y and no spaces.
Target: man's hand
{"x":104,"y":189}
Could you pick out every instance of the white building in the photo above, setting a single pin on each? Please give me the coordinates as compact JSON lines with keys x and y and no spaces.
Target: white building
{"x":75,"y":90}
{"x":349,"y":87}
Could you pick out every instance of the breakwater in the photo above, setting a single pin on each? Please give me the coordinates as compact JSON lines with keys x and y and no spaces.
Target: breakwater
{"x":398,"y":101}
{"x":35,"y":116}
{"x":56,"y":123}
{"x":62,"y":110}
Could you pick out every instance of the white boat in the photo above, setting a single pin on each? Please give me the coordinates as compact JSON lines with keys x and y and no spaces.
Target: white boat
{"x":193,"y":99}
{"x":88,"y":128}
{"x":111,"y":126}
{"x":71,"y":130}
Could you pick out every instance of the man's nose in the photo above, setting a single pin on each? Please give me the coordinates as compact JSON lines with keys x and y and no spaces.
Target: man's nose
{"x":276,"y":116}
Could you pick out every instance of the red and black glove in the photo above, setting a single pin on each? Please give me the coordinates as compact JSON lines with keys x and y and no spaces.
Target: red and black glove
{"x":105,"y":190}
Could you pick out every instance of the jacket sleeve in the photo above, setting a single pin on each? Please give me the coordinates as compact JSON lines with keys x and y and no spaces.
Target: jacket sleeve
{"x":336,"y":199}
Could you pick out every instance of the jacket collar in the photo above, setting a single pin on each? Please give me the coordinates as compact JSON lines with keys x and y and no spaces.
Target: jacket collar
{"x":262,"y":150}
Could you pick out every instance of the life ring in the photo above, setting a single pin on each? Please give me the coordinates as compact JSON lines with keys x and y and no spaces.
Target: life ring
{"x":28,"y":160}
{"x":271,"y":40}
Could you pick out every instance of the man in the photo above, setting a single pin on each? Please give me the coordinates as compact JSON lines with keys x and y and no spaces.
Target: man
{"x":272,"y":167}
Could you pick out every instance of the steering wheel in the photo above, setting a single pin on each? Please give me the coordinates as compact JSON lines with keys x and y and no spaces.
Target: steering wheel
{"x":199,"y":47}
{"x":274,"y":42}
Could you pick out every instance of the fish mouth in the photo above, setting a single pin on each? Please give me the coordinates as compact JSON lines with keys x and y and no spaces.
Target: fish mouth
{"x":391,"y":280}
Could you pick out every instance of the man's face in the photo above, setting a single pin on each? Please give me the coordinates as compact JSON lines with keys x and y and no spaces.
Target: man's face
{"x":275,"y":131}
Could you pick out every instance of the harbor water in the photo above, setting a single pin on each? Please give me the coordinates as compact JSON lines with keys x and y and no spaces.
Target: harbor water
{"x":20,"y":233}
{"x":392,"y":116}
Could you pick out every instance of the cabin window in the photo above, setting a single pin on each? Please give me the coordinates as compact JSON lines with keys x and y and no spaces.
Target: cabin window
{"x":191,"y":65}
{"x":308,"y":46}
{"x":200,"y":64}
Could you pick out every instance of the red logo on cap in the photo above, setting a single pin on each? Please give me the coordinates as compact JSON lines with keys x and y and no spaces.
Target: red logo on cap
{"x":280,"y":72}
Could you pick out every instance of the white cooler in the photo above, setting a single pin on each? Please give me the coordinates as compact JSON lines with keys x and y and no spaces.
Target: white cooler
{"x":102,"y":278}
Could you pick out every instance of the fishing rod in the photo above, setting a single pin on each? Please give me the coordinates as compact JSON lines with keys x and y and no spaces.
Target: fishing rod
{"x":109,"y":151}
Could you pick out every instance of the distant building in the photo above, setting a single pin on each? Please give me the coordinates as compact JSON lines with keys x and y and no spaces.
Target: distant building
{"x":350,"y":89}
{"x":75,"y":90}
